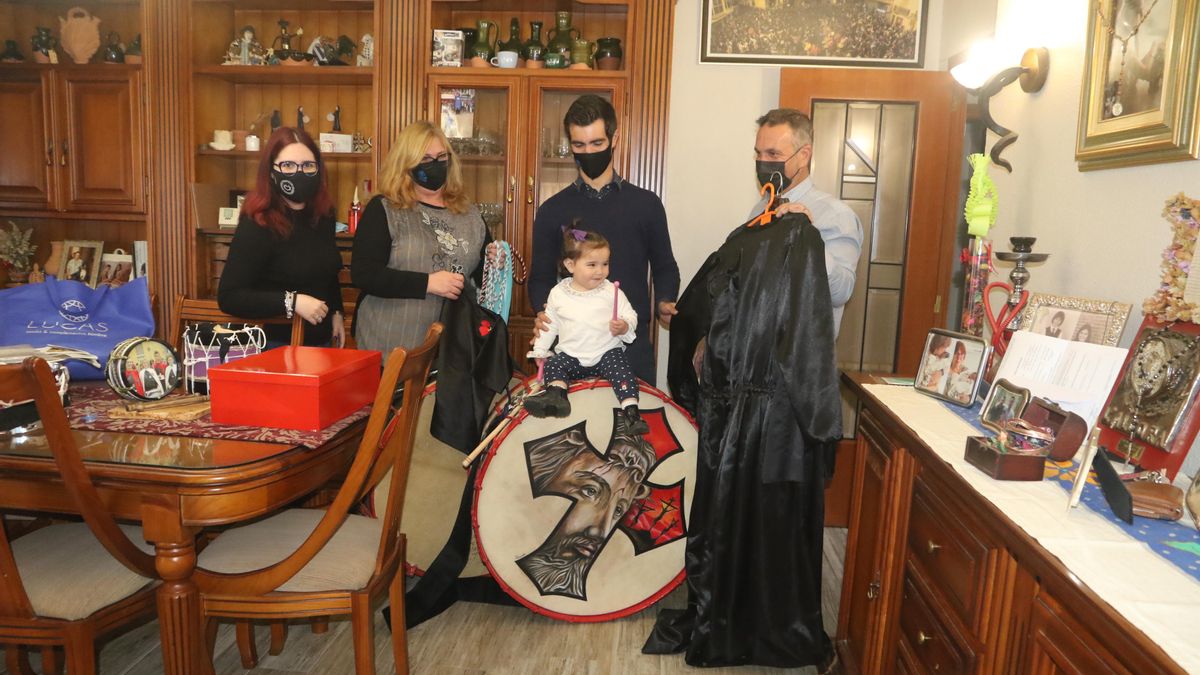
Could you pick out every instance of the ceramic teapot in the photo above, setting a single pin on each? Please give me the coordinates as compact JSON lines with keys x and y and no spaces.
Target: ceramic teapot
{"x":80,"y":34}
{"x":484,"y":46}
{"x":562,"y":34}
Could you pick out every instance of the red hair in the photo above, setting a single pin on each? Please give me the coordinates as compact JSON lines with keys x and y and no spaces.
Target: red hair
{"x":265,"y":205}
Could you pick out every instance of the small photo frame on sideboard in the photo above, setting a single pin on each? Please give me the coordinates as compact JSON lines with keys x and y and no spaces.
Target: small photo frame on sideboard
{"x":952,"y":366}
{"x":1004,"y":401}
{"x":116,"y":268}
{"x":81,"y":261}
{"x":1099,"y":322}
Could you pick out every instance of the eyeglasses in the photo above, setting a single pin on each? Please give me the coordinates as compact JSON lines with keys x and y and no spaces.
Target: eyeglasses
{"x":310,"y":168}
{"x":440,"y":158}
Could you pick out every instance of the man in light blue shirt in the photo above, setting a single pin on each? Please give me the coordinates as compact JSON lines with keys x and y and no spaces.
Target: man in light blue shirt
{"x":782,"y":153}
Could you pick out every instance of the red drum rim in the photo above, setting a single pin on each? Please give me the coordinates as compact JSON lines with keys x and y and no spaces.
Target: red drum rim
{"x":491,"y":452}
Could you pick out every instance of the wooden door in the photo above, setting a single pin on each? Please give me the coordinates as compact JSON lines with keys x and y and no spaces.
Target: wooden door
{"x":28,"y":159}
{"x":869,"y":582}
{"x":101,"y":158}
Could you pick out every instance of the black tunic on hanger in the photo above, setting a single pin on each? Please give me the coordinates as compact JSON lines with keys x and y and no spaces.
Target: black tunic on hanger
{"x":769,"y":410}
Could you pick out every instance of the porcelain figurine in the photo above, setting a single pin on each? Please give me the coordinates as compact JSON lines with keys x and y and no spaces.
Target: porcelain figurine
{"x":43,"y":44}
{"x":246,"y":50}
{"x":276,"y":120}
{"x":336,"y":118}
{"x":80,"y":34}
{"x":11,"y":53}
{"x":301,"y":118}
{"x":366,"y":52}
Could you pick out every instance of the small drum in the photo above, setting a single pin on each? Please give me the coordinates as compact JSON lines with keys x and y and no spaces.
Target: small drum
{"x":436,"y":480}
{"x":143,"y":369}
{"x":579,"y":519}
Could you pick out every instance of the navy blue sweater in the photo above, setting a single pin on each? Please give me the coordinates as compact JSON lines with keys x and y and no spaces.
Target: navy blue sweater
{"x":634,"y":223}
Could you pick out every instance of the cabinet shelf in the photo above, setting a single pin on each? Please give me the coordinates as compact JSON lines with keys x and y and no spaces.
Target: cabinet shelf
{"x":290,"y":4}
{"x":298,"y":74}
{"x":255,"y":154}
{"x":529,"y":72}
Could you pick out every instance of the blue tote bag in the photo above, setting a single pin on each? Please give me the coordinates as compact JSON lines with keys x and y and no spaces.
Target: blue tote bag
{"x":70,"y":314}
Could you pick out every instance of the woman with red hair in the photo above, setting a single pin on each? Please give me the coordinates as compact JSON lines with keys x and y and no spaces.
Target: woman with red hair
{"x":284,"y":259}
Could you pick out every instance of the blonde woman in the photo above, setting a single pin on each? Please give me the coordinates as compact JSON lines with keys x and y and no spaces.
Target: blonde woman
{"x":418,"y":241}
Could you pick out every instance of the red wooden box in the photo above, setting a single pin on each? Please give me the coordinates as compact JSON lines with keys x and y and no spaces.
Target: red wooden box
{"x":305,"y":388}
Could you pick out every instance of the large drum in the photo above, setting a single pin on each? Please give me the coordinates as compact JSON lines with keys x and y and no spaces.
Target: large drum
{"x":580,"y":520}
{"x":436,"y":481}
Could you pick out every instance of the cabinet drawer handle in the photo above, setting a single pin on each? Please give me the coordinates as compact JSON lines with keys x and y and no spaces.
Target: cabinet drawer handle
{"x":873,"y":590}
{"x":529,"y":192}
{"x":922,"y":638}
{"x":50,"y":153}
{"x":512,"y":188}
{"x":933,"y":548}
{"x":66,"y":148}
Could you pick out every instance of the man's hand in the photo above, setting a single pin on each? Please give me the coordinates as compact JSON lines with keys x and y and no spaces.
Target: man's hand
{"x":793,"y":207}
{"x":698,"y":356}
{"x":666,"y":310}
{"x":540,"y":325}
{"x":446,"y":284}
{"x":618,"y":327}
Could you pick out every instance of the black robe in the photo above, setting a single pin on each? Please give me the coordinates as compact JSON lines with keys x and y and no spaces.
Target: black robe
{"x":769,"y":411}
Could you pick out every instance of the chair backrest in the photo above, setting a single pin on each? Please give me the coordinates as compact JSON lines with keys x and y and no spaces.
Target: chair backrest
{"x":188,"y":310}
{"x":386,"y":445}
{"x":32,"y":379}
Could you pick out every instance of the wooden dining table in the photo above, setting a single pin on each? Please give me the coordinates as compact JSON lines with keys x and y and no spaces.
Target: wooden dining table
{"x":175,"y":486}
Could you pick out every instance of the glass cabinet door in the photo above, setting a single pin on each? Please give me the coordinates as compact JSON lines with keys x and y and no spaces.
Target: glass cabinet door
{"x":480,"y":123}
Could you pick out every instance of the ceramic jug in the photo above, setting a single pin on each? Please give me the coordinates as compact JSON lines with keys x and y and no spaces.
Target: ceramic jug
{"x":534,"y":50}
{"x":581,"y":52}
{"x":80,"y":34}
{"x":608,"y":53}
{"x":113,"y":53}
{"x":513,"y":43}
{"x":485,"y":44}
{"x":562,"y":34}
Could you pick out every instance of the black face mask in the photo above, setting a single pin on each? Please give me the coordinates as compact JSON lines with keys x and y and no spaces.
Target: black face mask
{"x":594,"y":164}
{"x":774,"y":172}
{"x":298,"y":187}
{"x":431,"y":175}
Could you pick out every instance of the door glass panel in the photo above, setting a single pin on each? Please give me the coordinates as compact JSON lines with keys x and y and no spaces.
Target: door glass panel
{"x":863,"y":155}
{"x":476,"y":122}
{"x":556,"y":165}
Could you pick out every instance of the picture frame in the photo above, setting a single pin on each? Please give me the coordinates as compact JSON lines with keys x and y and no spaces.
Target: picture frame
{"x":1005,"y":401}
{"x":1099,"y":322}
{"x":1138,"y":99}
{"x":85,"y":267}
{"x":448,"y":48}
{"x":116,"y":268}
{"x":951,"y":367}
{"x":141,"y":257}
{"x":881,"y":34}
{"x":236,"y":199}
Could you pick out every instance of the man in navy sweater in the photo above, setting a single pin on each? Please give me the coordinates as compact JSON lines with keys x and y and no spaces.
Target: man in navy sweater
{"x":631,"y":219}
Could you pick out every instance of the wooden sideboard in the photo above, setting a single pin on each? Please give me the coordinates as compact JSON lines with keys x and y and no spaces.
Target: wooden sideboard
{"x":938,"y":579}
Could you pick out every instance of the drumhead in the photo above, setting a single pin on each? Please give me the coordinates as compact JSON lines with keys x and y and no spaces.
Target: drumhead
{"x":579,"y":520}
{"x":143,"y":369}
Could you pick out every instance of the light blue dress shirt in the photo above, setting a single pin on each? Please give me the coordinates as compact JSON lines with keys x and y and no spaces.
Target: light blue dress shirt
{"x":842,"y":233}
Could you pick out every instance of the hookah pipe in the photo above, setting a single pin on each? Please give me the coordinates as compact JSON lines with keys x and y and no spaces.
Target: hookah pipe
{"x":1004,"y":322}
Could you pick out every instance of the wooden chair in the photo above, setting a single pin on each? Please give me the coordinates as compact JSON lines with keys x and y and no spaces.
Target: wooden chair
{"x":188,"y":310}
{"x":309,"y":563}
{"x":65,"y":585}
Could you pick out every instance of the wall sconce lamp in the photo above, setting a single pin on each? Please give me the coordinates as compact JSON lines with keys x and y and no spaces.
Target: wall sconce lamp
{"x":988,"y":69}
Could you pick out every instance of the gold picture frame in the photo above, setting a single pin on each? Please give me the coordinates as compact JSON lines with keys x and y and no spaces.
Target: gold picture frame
{"x":1099,"y":322}
{"x":1138,"y":99}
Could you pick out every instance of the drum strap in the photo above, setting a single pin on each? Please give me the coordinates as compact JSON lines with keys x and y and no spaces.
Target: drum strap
{"x":440,"y":586}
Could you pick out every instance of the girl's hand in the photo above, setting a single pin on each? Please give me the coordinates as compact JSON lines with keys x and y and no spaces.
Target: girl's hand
{"x":311,"y":309}
{"x":618,"y":327}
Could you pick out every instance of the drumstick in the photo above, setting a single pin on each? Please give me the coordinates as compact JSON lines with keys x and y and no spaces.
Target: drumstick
{"x":541,"y":369}
{"x":616,"y":298}
{"x":487,"y":440}
{"x":189,"y":399}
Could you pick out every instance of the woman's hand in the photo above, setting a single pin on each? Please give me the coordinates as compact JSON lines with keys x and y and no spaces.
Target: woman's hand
{"x":311,"y":309}
{"x":446,"y":284}
{"x":339,"y":330}
{"x":618,"y":327}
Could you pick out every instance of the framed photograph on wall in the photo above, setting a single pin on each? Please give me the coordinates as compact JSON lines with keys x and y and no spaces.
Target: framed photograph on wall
{"x":1099,"y":322}
{"x":865,"y":33}
{"x":81,"y":261}
{"x":951,"y":366}
{"x":1138,"y":100}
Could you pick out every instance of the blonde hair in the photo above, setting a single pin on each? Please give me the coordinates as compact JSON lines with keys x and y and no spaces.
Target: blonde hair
{"x":395,"y":177}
